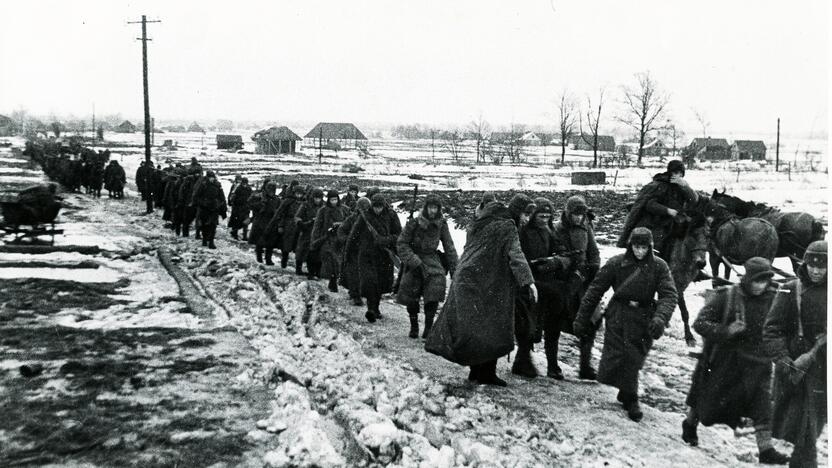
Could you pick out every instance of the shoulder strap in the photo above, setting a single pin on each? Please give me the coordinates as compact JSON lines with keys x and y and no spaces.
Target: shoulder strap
{"x":625,"y":283}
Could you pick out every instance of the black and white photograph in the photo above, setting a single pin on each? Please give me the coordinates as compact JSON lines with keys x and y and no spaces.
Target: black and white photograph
{"x":414,"y":234}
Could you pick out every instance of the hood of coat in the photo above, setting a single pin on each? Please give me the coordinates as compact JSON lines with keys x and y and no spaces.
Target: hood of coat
{"x":490,"y":212}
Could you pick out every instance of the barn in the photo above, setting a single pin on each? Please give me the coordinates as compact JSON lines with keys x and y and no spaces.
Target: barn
{"x":275,"y":140}
{"x":710,"y":148}
{"x":584,"y":142}
{"x":329,"y":134}
{"x":754,"y":150}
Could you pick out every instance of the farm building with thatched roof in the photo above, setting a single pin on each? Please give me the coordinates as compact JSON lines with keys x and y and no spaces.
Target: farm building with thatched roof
{"x":275,"y":140}
{"x":195,"y":128}
{"x":327,"y":134}
{"x":710,"y":148}
{"x":125,"y":127}
{"x":585,"y":142}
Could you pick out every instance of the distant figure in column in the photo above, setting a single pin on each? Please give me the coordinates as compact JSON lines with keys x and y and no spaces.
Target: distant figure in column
{"x":325,"y":237}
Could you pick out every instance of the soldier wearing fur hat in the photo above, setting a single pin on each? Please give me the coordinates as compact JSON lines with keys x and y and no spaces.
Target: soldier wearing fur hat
{"x":634,"y":317}
{"x":794,"y":335}
{"x":351,"y":197}
{"x":211,"y":203}
{"x":325,"y":237}
{"x":733,"y":375}
{"x":238,"y":199}
{"x":373,"y":236}
{"x":531,"y":319}
{"x":476,"y":325}
{"x":575,"y":244}
{"x":281,"y":231}
{"x":304,"y":220}
{"x":424,"y":267}
{"x":658,"y":204}
{"x":263,"y":204}
{"x":349,"y":256}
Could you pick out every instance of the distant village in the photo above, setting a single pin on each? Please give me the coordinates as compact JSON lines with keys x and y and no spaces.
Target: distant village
{"x":328,"y":135}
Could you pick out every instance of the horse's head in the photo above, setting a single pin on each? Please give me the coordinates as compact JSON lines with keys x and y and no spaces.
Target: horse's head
{"x":693,"y":244}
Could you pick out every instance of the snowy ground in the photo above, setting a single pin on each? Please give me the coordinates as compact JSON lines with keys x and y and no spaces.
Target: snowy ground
{"x":341,"y":392}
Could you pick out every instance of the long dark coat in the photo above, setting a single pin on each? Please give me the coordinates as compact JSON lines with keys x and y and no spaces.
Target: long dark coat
{"x":264,"y":206}
{"x":799,"y":411}
{"x":626,"y":339}
{"x":538,"y":243}
{"x":306,"y":213}
{"x":325,"y":238}
{"x":424,"y":275}
{"x":650,"y":208}
{"x":114,"y":177}
{"x":732,"y":378}
{"x":211,"y":202}
{"x":281,"y":231}
{"x":169,"y":197}
{"x":375,"y":261}
{"x":583,"y":266}
{"x":349,"y":256}
{"x":239,"y":206}
{"x":185,"y":197}
{"x":476,"y":324}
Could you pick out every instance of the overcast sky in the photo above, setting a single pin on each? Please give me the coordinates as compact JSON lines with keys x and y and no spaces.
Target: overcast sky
{"x":741,"y":63}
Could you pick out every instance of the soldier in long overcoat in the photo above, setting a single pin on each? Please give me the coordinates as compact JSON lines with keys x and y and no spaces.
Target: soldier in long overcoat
{"x":348,"y":277}
{"x":211,"y":202}
{"x":238,"y":199}
{"x":184,"y":202}
{"x":634,"y":317}
{"x":794,"y":335}
{"x":304,"y":221}
{"x":733,"y":375}
{"x":657,"y":205}
{"x":263,"y":204}
{"x":575,"y":243}
{"x":476,"y":325}
{"x":424,"y":266}
{"x":325,"y":237}
{"x":373,"y":236}
{"x":282,"y":231}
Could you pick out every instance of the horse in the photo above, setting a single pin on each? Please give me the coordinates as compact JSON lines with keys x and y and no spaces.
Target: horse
{"x":795,"y":229}
{"x":736,"y":240}
{"x":687,"y":258}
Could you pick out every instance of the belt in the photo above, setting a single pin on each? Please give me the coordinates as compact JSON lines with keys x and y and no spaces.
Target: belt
{"x":636,"y":304}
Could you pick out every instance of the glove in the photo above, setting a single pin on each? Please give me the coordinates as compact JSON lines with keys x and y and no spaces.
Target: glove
{"x":656,"y":328}
{"x":735,"y":328}
{"x":580,"y":329}
{"x":280,"y":230}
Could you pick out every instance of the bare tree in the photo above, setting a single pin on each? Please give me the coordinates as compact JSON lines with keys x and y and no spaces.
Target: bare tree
{"x":568,"y":110}
{"x":593,"y":120}
{"x":479,"y":128}
{"x":644,"y":107}
{"x":702,"y":119}
{"x":671,"y":132}
{"x":511,"y":146}
{"x":452,"y":143}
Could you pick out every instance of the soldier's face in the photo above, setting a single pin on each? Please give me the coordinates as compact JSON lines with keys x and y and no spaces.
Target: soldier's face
{"x":377,"y":209}
{"x":318,"y":200}
{"x":333,"y":201}
{"x":640,"y":251}
{"x":432,"y":210}
{"x":755,"y":288}
{"x":816,"y":274}
{"x":577,"y":218}
{"x":524,"y":219}
{"x":542,"y":219}
{"x":353,"y":193}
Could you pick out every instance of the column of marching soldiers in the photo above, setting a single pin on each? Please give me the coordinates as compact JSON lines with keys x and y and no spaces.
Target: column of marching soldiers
{"x":526,"y":275}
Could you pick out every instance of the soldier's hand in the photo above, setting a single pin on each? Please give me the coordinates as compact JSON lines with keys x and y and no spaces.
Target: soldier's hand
{"x":656,"y":328}
{"x":672,"y":213}
{"x":533,"y":293}
{"x":804,"y":361}
{"x":735,"y":328}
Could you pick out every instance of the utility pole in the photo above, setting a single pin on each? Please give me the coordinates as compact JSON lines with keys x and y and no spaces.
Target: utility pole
{"x":320,"y":144}
{"x":777,"y":149}
{"x":93,"y":123}
{"x":147,"y":123}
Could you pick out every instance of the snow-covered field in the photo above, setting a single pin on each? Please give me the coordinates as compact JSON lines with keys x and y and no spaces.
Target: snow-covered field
{"x":343,"y":392}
